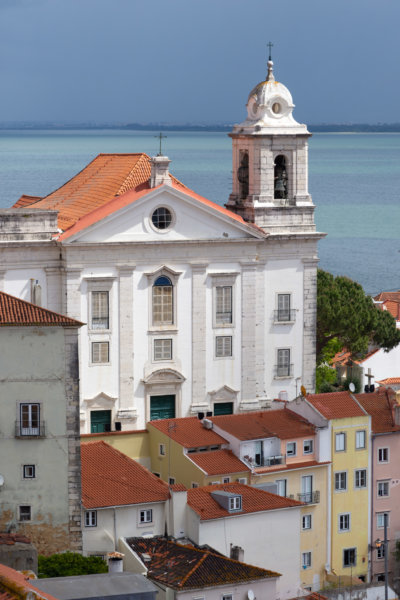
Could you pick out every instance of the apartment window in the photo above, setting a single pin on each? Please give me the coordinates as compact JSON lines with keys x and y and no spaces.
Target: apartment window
{"x":146,"y":516}
{"x":282,"y":487}
{"x":283,"y":363}
{"x":25,"y":513}
{"x":340,"y":442}
{"x":91,"y":518}
{"x":344,"y":522}
{"x":30,"y":419}
{"x":100,"y":352}
{"x":283,"y":313}
{"x":380,"y":520}
{"x":171,"y":480}
{"x":341,"y":481}
{"x":291,"y":449}
{"x":163,"y":349}
{"x":242,"y":480}
{"x":161,"y":449}
{"x":350,"y":557}
{"x":383,"y":488}
{"x":100,"y":310}
{"x":195,"y":484}
{"x":360,"y":439}
{"x":308,"y":447}
{"x":306,"y":560}
{"x":306,"y":522}
{"x":380,"y":551}
{"x":383,"y":455}
{"x":163,"y":310}
{"x":227,"y":597}
{"x":235,"y":503}
{"x":223,"y":305}
{"x":29,"y":471}
{"x":223,"y":346}
{"x":226,"y":479}
{"x":360,"y":478}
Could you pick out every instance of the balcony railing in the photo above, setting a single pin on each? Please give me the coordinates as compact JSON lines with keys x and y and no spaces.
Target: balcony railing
{"x":284,"y":315}
{"x":25,"y":430}
{"x":309,"y":497}
{"x":265,"y":461}
{"x":284,"y":370}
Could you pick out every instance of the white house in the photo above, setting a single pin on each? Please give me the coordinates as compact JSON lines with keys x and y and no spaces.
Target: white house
{"x":189,"y":307}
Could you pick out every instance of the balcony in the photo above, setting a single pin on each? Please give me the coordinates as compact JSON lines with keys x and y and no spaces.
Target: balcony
{"x":265,"y":461}
{"x":283,"y":371}
{"x":309,"y":497}
{"x":283,"y":316}
{"x":30,"y":430}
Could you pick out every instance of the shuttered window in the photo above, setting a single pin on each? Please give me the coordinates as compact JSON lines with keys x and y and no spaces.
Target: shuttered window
{"x":100,"y":352}
{"x":100,"y":310}
{"x":163,"y":313}
{"x":283,"y":307}
{"x":283,"y":367}
{"x":223,"y":314}
{"x":223,"y":345}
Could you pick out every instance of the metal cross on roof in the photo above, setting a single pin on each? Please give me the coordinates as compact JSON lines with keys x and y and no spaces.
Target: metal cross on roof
{"x":270,"y":45}
{"x":161,"y":137}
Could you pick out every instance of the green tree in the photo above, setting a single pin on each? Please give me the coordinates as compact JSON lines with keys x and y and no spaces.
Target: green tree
{"x":344,"y":312}
{"x":70,"y":563}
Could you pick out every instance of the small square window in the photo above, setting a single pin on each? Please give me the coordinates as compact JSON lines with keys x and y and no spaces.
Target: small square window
{"x":223,"y":346}
{"x":195,"y":484}
{"x":344,"y":522}
{"x":25,"y":513}
{"x":235,"y":503}
{"x":306,"y":522}
{"x":380,"y":520}
{"x":306,"y":560}
{"x":146,"y":516}
{"x":226,"y":479}
{"x":308,"y":446}
{"x":171,"y":480}
{"x":100,"y":352}
{"x":361,"y":439}
{"x":383,"y":455}
{"x":91,"y":518}
{"x":360,"y":478}
{"x":163,"y":349}
{"x":340,"y":442}
{"x":242,"y":480}
{"x":350,"y":557}
{"x":341,"y":481}
{"x":383,"y":488}
{"x":29,"y":472}
{"x":162,"y":450}
{"x":291,"y":449}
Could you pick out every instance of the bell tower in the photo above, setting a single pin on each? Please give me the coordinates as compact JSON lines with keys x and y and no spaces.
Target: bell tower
{"x":270,"y":162}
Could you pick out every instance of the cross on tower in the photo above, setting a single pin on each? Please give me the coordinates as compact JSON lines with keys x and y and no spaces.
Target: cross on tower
{"x":161,"y":137}
{"x":270,"y":45}
{"x":369,"y":376}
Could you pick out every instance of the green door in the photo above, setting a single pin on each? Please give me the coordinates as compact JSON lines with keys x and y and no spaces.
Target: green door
{"x":100,"y":420}
{"x":162,"y":407}
{"x":223,"y":408}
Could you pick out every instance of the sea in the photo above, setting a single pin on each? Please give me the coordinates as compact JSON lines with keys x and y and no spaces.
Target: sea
{"x":354,"y":180}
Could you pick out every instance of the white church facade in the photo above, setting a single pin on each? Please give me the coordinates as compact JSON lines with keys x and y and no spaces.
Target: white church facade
{"x":188,"y":307}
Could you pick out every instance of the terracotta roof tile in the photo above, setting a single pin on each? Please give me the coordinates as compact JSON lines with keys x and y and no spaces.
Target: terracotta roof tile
{"x":26,"y":201}
{"x":392,"y":307}
{"x":253,"y":500}
{"x":110,"y":478}
{"x":14,"y":585}
{"x":389,"y":381}
{"x":394,"y":296}
{"x":188,"y":431}
{"x":218,"y":462}
{"x":380,"y":405}
{"x":14,"y":311}
{"x":343,"y":358}
{"x":177,"y":487}
{"x":283,"y":424}
{"x":186,"y":567}
{"x":336,"y":405}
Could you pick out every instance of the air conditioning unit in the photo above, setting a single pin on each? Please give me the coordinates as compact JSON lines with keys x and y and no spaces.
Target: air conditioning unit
{"x":291,"y":496}
{"x":283,"y":395}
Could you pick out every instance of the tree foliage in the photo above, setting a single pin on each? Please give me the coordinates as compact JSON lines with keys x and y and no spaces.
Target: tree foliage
{"x":70,"y":563}
{"x":344,"y":312}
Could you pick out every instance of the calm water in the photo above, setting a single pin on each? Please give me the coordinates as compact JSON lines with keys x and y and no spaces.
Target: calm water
{"x":354,"y":181}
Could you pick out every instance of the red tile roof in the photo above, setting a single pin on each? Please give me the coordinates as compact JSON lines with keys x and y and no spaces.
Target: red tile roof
{"x":218,"y":462}
{"x":394,"y":296}
{"x":177,"y":487}
{"x":389,"y":381}
{"x":14,"y":311}
{"x":336,"y":405}
{"x":343,"y":358}
{"x":380,"y":405}
{"x":188,"y":431}
{"x":281,"y":423}
{"x":26,"y":201}
{"x":393,"y":308}
{"x":110,"y":478}
{"x":186,"y":567}
{"x":14,"y":585}
{"x":253,"y":500}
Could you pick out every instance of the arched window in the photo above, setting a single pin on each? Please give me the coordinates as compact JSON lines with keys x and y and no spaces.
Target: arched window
{"x":243,"y":174}
{"x":280,"y":178}
{"x":163,"y":310}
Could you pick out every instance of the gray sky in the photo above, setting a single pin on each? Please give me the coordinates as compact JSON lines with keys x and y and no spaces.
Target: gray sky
{"x":196,"y":60}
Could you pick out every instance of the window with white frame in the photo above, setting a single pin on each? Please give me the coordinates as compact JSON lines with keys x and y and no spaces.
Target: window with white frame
{"x":380,"y":520}
{"x":344,"y":522}
{"x":223,"y":305}
{"x":235,"y":503}
{"x":380,"y":551}
{"x":306,"y":522}
{"x":283,"y":368}
{"x":242,"y":480}
{"x":361,"y":437}
{"x":29,"y":471}
{"x":360,"y":478}
{"x":383,"y":488}
{"x":24,"y":513}
{"x":91,"y":518}
{"x":350,"y":557}
{"x":282,"y":487}
{"x":383,"y":455}
{"x":163,"y":349}
{"x":308,"y":446}
{"x":306,"y":560}
{"x":283,"y":313}
{"x":100,"y":352}
{"x":146,"y":515}
{"x":100,"y":309}
{"x":30,"y":419}
{"x":341,"y":481}
{"x":340,"y":442}
{"x":223,"y":346}
{"x":162,"y":299}
{"x":171,"y":480}
{"x":226,"y":479}
{"x":291,"y":448}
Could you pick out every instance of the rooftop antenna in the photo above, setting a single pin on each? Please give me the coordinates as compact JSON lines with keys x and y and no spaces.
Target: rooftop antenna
{"x":161,"y":137}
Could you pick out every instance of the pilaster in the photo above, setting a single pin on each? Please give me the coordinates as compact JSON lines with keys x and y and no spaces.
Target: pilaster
{"x":310,"y":322}
{"x":126,"y":353}
{"x":249,"y":321}
{"x":199,"y":335}
{"x":2,"y":279}
{"x":72,"y":296}
{"x":54,"y":288}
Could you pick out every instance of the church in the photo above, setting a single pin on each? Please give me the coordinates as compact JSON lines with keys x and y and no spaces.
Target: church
{"x":187,"y":306}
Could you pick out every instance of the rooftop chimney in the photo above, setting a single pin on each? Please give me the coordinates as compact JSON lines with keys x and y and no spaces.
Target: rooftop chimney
{"x":159,"y":171}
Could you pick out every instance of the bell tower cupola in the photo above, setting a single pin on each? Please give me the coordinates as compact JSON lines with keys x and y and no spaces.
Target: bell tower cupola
{"x":270,"y":162}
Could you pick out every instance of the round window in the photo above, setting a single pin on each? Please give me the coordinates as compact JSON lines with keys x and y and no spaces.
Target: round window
{"x":276,"y":108}
{"x":161,"y":218}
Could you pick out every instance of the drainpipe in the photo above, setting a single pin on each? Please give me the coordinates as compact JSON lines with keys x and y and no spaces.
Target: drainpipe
{"x":115,"y":531}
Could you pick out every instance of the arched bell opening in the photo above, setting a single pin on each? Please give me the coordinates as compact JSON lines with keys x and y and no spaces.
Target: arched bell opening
{"x":280,"y":178}
{"x":243,"y":174}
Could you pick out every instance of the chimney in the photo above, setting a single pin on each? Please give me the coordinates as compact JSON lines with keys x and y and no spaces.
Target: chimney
{"x":159,"y":171}
{"x":115,"y":562}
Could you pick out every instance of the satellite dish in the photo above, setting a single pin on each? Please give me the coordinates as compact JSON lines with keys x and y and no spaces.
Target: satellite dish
{"x":250,"y":595}
{"x":352,"y":387}
{"x":1,"y":480}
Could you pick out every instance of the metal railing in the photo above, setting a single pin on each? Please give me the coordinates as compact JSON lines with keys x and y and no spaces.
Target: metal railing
{"x":284,"y":315}
{"x":23,"y":430}
{"x":309,"y":497}
{"x":284,"y":370}
{"x":265,"y":461}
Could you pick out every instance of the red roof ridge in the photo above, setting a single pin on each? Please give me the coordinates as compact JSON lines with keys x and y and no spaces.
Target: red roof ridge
{"x":15,"y":311}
